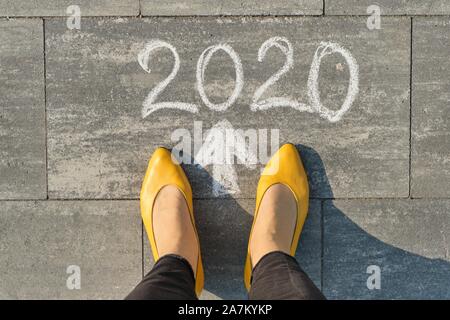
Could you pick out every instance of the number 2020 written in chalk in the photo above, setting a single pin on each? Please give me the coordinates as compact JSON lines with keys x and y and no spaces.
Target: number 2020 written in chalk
{"x":314,"y":104}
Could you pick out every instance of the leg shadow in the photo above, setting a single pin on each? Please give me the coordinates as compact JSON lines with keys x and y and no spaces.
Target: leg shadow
{"x":348,"y":249}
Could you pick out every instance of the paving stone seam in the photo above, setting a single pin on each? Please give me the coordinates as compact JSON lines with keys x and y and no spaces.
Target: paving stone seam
{"x":221,"y":199}
{"x":322,"y":250}
{"x":51,"y":17}
{"x":224,"y":199}
{"x":45,"y":106}
{"x":410,"y":104}
{"x":142,"y":250}
{"x":140,"y":15}
{"x":391,"y":15}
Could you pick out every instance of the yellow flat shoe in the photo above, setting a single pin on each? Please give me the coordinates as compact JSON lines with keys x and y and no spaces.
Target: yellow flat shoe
{"x":162,"y":171}
{"x":285,"y":167}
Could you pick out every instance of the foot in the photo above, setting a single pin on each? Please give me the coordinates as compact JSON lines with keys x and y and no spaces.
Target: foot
{"x":275,"y":223}
{"x":172,"y":226}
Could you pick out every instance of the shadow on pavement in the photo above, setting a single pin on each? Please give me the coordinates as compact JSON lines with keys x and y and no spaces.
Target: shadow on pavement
{"x":224,"y":225}
{"x":349,"y":250}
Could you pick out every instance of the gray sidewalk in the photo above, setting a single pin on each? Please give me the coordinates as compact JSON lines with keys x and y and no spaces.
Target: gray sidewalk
{"x":74,"y":145}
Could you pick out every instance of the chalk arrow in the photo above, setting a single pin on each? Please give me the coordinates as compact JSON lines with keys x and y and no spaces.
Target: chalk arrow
{"x":221,"y":146}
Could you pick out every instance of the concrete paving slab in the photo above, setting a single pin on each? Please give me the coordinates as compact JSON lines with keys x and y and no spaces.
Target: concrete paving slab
{"x":231,"y":7}
{"x":224,"y":227}
{"x":40,"y":241}
{"x":388,"y":7}
{"x":22,"y":110}
{"x":406,"y":239}
{"x":43,"y":8}
{"x":99,"y":143}
{"x":430,"y":164}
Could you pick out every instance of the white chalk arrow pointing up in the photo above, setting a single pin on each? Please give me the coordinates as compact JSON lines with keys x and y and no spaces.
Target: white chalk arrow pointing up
{"x":220,"y":148}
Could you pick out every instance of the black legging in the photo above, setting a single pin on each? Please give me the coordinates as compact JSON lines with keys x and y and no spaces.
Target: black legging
{"x":277,"y":276}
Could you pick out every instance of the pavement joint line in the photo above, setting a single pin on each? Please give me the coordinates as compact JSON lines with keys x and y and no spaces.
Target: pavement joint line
{"x":45,"y":106}
{"x":322,"y":242}
{"x":410,"y":105}
{"x":218,"y":199}
{"x":142,"y":251}
{"x":390,"y":15}
{"x":237,"y":16}
{"x":169,"y":16}
{"x":62,"y":17}
{"x":230,"y":16}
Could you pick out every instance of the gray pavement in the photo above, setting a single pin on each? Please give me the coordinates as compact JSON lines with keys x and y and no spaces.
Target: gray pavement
{"x":74,"y":145}
{"x":388,"y":7}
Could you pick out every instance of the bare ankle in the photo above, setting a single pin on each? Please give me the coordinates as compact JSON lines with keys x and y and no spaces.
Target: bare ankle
{"x":173,"y":228}
{"x":275,"y":223}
